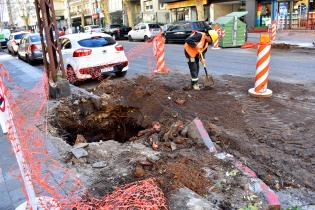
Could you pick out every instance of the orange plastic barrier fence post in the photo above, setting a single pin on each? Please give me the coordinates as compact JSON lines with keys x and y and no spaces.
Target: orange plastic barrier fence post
{"x":262,"y":68}
{"x":274,"y":30}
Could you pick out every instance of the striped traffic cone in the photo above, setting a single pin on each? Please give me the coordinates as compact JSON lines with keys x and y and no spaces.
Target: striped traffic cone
{"x":216,"y":42}
{"x":274,"y":30}
{"x":262,"y":68}
{"x":159,"y":48}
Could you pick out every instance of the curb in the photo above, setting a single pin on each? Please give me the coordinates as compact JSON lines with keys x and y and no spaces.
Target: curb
{"x":258,"y":186}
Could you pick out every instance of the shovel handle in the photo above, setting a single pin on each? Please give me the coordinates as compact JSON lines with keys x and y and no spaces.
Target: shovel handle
{"x":202,"y":59}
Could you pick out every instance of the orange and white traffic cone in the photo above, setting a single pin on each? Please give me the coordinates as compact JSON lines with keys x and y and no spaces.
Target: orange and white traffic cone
{"x":262,"y":68}
{"x":273,"y":30}
{"x":159,"y":54}
{"x":216,"y":42}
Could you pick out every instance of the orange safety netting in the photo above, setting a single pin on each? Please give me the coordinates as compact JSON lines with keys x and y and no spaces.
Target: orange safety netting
{"x":51,"y":178}
{"x":139,"y":195}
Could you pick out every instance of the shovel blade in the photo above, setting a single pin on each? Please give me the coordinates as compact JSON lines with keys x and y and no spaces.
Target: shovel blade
{"x":208,"y":81}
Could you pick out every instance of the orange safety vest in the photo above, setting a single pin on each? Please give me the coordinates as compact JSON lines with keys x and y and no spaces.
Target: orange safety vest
{"x":202,"y":44}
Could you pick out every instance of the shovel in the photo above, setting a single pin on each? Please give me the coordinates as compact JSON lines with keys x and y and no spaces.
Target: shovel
{"x":208,"y":80}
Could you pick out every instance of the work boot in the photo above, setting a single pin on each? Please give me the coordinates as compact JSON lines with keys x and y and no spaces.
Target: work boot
{"x":196,"y":86}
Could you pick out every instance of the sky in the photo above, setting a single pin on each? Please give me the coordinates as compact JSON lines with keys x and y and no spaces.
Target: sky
{"x":3,"y":11}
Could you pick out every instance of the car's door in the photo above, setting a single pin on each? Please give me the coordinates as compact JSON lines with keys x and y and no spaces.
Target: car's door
{"x":176,"y":33}
{"x":66,"y":50}
{"x":9,"y":42}
{"x":134,"y":32}
{"x":21,"y":49}
{"x":142,"y":31}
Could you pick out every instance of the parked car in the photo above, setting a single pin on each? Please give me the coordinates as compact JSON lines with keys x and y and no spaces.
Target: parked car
{"x":14,"y":41}
{"x":144,"y":31}
{"x":181,"y":30}
{"x":88,"y":56}
{"x":4,"y":37}
{"x":30,"y":48}
{"x":117,"y":31}
{"x":93,"y":28}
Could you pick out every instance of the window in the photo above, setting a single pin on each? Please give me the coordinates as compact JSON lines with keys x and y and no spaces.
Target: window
{"x":162,"y":6}
{"x":143,"y":27}
{"x":35,"y":38}
{"x":177,"y":28}
{"x":19,"y":36}
{"x":154,"y":26}
{"x":97,"y":42}
{"x":148,"y":5}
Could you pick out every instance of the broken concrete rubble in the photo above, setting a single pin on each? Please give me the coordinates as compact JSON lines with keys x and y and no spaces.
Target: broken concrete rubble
{"x":79,"y":152}
{"x":186,"y":199}
{"x":234,"y":130}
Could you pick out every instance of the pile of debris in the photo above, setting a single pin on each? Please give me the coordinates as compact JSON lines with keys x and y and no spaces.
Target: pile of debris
{"x":174,"y":156}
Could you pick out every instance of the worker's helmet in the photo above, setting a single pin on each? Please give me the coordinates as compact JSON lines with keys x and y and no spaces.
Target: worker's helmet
{"x":213,"y":34}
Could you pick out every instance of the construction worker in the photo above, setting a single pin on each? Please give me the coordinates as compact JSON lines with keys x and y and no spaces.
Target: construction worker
{"x":195,"y":44}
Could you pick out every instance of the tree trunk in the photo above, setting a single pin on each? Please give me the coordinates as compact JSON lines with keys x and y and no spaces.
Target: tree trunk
{"x":130,"y":12}
{"x":200,"y":10}
{"x":105,"y":6}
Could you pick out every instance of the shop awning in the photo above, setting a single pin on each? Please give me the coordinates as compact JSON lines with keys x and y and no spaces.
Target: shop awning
{"x":181,"y":4}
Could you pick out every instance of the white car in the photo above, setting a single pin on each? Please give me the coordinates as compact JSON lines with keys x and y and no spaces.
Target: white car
{"x":144,"y":31}
{"x":88,"y":56}
{"x":93,"y":28}
{"x":14,"y":41}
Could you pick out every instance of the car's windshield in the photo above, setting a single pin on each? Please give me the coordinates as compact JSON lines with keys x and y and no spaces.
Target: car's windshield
{"x":154,"y":26}
{"x":19,"y":36}
{"x":35,"y":38}
{"x":94,"y":26}
{"x":198,"y":26}
{"x":114,"y":26}
{"x":97,"y":42}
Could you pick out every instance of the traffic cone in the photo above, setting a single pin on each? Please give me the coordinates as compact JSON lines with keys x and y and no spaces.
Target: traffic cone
{"x":273,"y":30}
{"x":159,"y":48}
{"x":262,"y":68}
{"x":216,"y":42}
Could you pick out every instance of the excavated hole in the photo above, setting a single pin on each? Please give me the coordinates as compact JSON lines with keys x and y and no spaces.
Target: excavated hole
{"x":119,"y":124}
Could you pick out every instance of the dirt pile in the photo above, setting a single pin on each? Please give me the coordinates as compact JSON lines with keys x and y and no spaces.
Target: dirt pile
{"x":151,"y":116}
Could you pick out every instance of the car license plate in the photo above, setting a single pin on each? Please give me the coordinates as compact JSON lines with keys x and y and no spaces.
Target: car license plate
{"x":107,"y":69}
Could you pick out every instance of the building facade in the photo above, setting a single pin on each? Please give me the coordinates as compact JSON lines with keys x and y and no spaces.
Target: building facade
{"x":291,"y":14}
{"x":154,"y":11}
{"x":208,"y":10}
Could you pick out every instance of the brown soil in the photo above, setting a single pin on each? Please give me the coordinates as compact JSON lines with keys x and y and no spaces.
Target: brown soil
{"x":273,"y":136}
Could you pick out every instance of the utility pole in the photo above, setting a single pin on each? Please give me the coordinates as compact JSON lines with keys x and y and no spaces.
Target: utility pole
{"x":9,"y":8}
{"x":47,"y":24}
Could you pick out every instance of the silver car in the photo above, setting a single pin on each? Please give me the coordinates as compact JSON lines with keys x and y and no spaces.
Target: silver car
{"x":30,"y":48}
{"x":14,"y":41}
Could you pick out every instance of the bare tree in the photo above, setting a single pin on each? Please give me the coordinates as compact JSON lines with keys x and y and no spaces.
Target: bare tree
{"x":200,"y":9}
{"x":25,"y":9}
{"x":104,"y":6}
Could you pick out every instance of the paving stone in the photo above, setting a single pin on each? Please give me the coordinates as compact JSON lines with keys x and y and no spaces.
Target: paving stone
{"x":17,"y":197}
{"x":14,"y":184}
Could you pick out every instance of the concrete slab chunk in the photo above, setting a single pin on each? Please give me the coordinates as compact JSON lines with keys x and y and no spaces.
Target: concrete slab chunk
{"x":79,"y":152}
{"x":186,"y":199}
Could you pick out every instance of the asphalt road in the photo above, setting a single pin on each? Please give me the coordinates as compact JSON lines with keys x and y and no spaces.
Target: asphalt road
{"x":295,"y":66}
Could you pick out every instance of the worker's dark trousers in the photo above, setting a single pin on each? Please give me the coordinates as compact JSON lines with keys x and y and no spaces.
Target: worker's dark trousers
{"x":193,"y":64}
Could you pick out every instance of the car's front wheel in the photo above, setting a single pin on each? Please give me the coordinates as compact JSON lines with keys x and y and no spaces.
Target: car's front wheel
{"x":146,"y":38}
{"x":70,"y":75}
{"x":130,"y":38}
{"x":121,"y":73}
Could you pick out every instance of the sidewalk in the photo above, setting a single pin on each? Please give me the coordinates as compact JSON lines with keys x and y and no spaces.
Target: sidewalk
{"x":11,"y":194}
{"x":300,"y":39}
